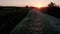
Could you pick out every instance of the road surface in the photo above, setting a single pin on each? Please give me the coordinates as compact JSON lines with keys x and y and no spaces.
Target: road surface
{"x":37,"y":22}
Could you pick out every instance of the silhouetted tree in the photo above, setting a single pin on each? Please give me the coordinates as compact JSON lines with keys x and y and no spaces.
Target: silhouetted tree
{"x":26,"y":6}
{"x":51,"y":4}
{"x":53,"y":10}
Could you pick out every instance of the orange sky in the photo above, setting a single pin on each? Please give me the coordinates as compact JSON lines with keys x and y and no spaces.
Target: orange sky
{"x":38,"y":3}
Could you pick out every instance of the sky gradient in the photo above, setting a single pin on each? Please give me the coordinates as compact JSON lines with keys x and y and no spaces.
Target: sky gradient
{"x":27,"y":2}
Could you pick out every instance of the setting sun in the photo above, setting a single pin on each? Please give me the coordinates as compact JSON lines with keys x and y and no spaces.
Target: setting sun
{"x":38,"y":5}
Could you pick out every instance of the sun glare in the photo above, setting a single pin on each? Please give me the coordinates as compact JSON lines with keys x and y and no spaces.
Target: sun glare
{"x":38,"y":5}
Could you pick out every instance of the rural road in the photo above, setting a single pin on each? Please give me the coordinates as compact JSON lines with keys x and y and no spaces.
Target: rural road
{"x":36,"y":22}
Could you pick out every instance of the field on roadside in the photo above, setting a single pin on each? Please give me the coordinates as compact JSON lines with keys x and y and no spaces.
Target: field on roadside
{"x":10,"y":17}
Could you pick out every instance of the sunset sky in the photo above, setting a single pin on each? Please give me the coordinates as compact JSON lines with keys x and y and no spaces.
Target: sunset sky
{"x":40,"y":3}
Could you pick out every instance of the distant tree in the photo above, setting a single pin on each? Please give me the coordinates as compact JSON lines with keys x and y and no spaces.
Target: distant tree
{"x":26,"y":6}
{"x":53,"y":10}
{"x":51,"y":4}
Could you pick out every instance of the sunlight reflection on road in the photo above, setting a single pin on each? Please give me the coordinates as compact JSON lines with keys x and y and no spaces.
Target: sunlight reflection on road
{"x":38,"y":25}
